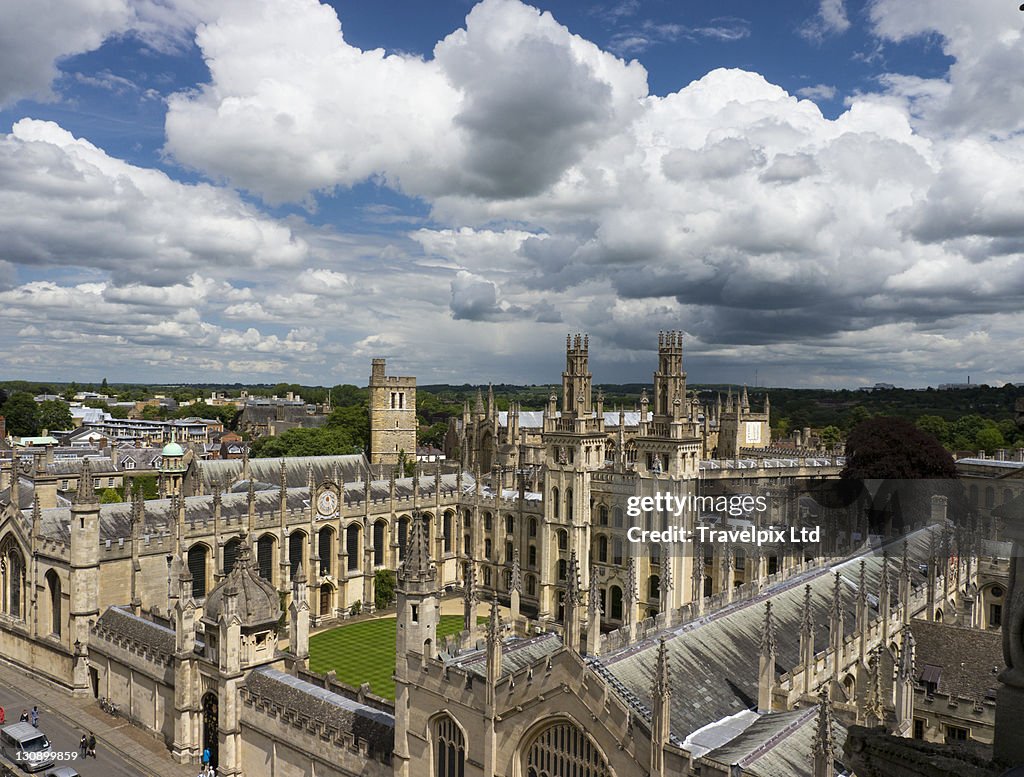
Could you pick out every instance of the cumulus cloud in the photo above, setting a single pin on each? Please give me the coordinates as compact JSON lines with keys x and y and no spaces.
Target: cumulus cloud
{"x":831,"y":19}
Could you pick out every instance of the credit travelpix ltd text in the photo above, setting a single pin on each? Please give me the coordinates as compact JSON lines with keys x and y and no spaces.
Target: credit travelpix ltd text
{"x":710,"y":534}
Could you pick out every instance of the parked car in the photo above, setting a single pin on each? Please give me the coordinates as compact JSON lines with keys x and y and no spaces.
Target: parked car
{"x":62,"y":771}
{"x":21,"y":742}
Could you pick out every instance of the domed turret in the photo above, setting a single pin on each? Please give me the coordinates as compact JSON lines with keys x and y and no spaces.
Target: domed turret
{"x":172,"y":449}
{"x":256,"y":600}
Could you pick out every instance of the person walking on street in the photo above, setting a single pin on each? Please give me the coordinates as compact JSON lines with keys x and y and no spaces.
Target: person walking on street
{"x":92,"y":745}
{"x":83,"y":746}
{"x":35,"y":716}
{"x":24,"y":716}
{"x":3,"y":716}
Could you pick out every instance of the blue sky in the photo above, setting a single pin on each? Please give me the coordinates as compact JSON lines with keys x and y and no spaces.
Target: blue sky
{"x":821,"y":193}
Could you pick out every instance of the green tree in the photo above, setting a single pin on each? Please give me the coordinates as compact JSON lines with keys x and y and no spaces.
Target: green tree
{"x":937,"y":427}
{"x":888,"y":448}
{"x":830,"y":436}
{"x":110,"y":496}
{"x":104,"y":388}
{"x":989,"y":439}
{"x":54,"y":414}
{"x":383,"y":588}
{"x":21,"y":412}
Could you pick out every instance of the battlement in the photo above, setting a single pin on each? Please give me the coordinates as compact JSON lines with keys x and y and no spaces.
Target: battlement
{"x":671,"y":342}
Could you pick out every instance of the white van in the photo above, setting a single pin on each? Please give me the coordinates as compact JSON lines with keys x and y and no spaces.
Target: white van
{"x":26,"y":746}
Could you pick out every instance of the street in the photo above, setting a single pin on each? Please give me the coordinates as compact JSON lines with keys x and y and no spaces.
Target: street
{"x":64,"y":738}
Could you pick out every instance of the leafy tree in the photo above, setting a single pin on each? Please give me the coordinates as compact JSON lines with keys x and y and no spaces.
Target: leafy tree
{"x":148,"y":484}
{"x":154,"y":413}
{"x":384,"y":583}
{"x":937,"y":427}
{"x":830,"y":436}
{"x":54,"y":414}
{"x":22,"y":415}
{"x":433,"y":434}
{"x":110,"y":496}
{"x":104,"y":388}
{"x":858,"y":415}
{"x":989,"y":438}
{"x":886,"y":447}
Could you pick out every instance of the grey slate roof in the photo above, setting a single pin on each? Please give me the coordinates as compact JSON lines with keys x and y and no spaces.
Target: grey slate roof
{"x":711,"y":657}
{"x":516,"y":654}
{"x":225,"y":472}
{"x":777,"y":745}
{"x":126,"y":625}
{"x":968,"y":660}
{"x":331,"y":710}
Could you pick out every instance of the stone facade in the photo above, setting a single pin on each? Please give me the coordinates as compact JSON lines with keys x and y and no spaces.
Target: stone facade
{"x":393,"y":421}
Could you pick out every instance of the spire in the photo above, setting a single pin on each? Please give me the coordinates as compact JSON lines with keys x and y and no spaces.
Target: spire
{"x":417,"y":566}
{"x":662,"y":681}
{"x":823,"y":746}
{"x":86,"y":494}
{"x":572,"y":582}
{"x":768,"y":631}
{"x":491,"y":407}
{"x":807,"y":617}
{"x":494,"y":623}
{"x":837,"y":600}
{"x":478,"y":408}
{"x":516,"y":581}
{"x":883,"y":587}
{"x":745,"y":401}
{"x":594,"y":598}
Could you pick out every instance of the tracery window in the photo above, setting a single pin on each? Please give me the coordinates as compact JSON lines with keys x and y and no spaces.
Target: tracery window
{"x":449,"y":748}
{"x":561,"y":750}
{"x":12,"y":575}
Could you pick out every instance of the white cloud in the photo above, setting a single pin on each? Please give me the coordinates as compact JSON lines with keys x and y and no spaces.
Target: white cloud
{"x":818,"y":92}
{"x":831,"y":19}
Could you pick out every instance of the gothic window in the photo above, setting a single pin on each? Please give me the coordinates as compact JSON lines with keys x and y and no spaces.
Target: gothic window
{"x":53,"y":585}
{"x":568,"y":504}
{"x":296,"y":556}
{"x":617,"y":517}
{"x":554,"y":502}
{"x":508,"y":553}
{"x":533,"y":527}
{"x":655,"y":554}
{"x":510,"y":524}
{"x":197,"y":568}
{"x":487,"y":549}
{"x":265,"y":557}
{"x":447,"y":529}
{"x":231,"y":554}
{"x":562,"y":569}
{"x":467,"y":545}
{"x":617,"y":551}
{"x":403,"y":529}
{"x":740,"y":559}
{"x":616,"y":595}
{"x":487,"y":577}
{"x":532,"y":556}
{"x":563,"y":539}
{"x":508,"y":579}
{"x":324,"y":549}
{"x":378,"y":543}
{"x":564,"y":749}
{"x":449,"y":748}
{"x":487,"y":521}
{"x":352,"y":546}
{"x":531,"y":585}
{"x":653,"y":587}
{"x":602,"y":513}
{"x":602,"y":548}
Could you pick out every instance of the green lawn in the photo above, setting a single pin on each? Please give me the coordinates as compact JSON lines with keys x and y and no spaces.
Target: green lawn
{"x":364,"y":652}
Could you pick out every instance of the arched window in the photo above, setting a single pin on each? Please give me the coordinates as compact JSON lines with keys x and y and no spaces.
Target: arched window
{"x":325,"y":549}
{"x":449,"y":748}
{"x":197,"y":568}
{"x":447,"y":529}
{"x":53,"y":586}
{"x":379,"y":528}
{"x":554,"y":502}
{"x":296,"y":554}
{"x":616,"y":594}
{"x":562,"y":567}
{"x":12,"y":574}
{"x":653,"y":587}
{"x":740,"y":559}
{"x":563,"y":749}
{"x":508,"y":579}
{"x":531,"y":585}
{"x":487,"y":577}
{"x":510,"y":524}
{"x":488,"y":525}
{"x":403,"y":531}
{"x":533,"y":527}
{"x":602,"y":548}
{"x":231,"y":554}
{"x":563,"y":539}
{"x":487,"y":549}
{"x":602,"y":515}
{"x":617,"y":517}
{"x":352,"y":546}
{"x":265,"y":556}
{"x":568,"y":505}
{"x":467,"y":545}
{"x":509,"y":552}
{"x":531,"y":557}
{"x":617,"y":551}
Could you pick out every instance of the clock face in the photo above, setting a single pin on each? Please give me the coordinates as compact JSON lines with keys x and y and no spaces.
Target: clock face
{"x":327,"y":503}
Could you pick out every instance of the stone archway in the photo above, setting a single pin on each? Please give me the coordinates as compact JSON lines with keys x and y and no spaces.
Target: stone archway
{"x":211,"y":735}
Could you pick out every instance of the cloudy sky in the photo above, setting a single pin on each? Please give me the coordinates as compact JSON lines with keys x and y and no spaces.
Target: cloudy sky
{"x":817,"y":193}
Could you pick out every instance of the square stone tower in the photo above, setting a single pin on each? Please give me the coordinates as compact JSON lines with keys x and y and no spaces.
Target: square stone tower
{"x":392,"y":416}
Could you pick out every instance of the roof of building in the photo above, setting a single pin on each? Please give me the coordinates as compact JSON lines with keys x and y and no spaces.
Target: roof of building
{"x":172,"y":449}
{"x":516,"y":654}
{"x":225,"y":472}
{"x":138,"y":630}
{"x":256,"y":603}
{"x":332,"y":710}
{"x":713,"y":653}
{"x":962,"y":662}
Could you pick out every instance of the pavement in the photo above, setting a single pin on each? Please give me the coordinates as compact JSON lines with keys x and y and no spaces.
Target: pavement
{"x":123,"y":750}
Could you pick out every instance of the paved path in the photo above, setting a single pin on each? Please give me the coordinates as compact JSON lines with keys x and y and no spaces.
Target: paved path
{"x":122,"y":750}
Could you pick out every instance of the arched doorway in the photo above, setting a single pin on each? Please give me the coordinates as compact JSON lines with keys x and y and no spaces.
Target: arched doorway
{"x":563,"y":748}
{"x":326,"y":596}
{"x":210,"y":734}
{"x":53,"y":585}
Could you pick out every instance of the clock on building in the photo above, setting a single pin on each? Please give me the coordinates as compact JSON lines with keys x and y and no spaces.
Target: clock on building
{"x":327,"y":503}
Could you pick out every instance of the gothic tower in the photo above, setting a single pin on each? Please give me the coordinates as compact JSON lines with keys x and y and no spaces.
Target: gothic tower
{"x":392,"y":416}
{"x":85,"y":571}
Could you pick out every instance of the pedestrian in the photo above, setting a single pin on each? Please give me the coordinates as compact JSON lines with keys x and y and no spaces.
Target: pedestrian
{"x":3,"y":716}
{"x":24,"y":716}
{"x":35,"y":716}
{"x":92,"y":745}
{"x":206,"y":760}
{"x":83,"y":746}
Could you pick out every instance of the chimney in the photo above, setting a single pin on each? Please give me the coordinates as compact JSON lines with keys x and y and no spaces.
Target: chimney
{"x":1001,"y":454}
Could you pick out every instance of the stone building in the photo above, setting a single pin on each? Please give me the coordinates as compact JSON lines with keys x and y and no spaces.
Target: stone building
{"x":618,"y":656}
{"x":393,"y":421}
